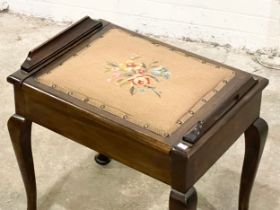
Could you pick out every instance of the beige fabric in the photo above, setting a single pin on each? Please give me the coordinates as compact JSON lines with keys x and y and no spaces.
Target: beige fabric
{"x":86,"y":76}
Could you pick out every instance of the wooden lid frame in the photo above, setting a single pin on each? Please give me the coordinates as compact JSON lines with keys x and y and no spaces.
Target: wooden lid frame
{"x":70,"y":41}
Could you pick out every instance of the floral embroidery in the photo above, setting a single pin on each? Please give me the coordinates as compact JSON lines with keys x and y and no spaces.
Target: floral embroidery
{"x":139,"y":76}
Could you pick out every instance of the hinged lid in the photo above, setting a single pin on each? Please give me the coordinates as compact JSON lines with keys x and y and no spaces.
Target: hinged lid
{"x":141,"y":80}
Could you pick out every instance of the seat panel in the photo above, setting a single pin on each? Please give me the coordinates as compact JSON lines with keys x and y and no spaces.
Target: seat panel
{"x":140,"y":81}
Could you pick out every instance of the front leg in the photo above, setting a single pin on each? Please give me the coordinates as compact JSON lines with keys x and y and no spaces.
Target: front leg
{"x":180,"y":201}
{"x":20,"y":133}
{"x":183,"y":195}
{"x":255,"y":138}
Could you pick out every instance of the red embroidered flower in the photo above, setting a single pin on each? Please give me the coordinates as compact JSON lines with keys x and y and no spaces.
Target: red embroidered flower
{"x":141,"y":81}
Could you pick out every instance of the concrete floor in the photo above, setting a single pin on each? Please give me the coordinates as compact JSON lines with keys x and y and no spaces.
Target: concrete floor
{"x":67,"y":176}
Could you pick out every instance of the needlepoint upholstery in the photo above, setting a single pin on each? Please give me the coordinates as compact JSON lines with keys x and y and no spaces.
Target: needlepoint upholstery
{"x":140,"y":81}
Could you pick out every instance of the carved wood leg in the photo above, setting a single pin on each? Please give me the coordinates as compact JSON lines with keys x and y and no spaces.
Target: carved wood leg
{"x":20,"y":133}
{"x":102,"y":159}
{"x":255,"y":138}
{"x":180,"y":201}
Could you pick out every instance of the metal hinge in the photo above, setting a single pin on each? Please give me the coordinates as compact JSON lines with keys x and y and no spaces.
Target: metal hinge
{"x":195,"y":132}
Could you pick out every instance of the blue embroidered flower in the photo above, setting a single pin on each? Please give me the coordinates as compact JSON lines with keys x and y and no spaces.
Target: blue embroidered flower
{"x":160,"y":72}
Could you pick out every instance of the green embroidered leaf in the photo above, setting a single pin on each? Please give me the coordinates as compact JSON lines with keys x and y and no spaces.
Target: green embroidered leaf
{"x":119,"y":80}
{"x":128,"y":75}
{"x":144,"y":65}
{"x":112,"y":64}
{"x":134,"y":57}
{"x":132,"y":90}
{"x":155,"y":91}
{"x":124,"y":83}
{"x":154,"y":78}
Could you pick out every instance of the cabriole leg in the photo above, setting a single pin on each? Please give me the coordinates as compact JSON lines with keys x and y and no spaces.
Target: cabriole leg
{"x":255,"y":138}
{"x":20,"y":133}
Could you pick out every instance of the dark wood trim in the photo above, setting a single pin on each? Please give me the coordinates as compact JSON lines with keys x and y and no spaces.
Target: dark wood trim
{"x":188,"y":165}
{"x":60,"y":43}
{"x":57,"y":48}
{"x":215,"y":113}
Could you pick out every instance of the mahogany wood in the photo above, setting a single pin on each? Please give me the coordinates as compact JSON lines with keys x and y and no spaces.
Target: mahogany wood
{"x":160,"y":157}
{"x":97,"y":133}
{"x":255,"y":138}
{"x":60,"y":43}
{"x":20,"y":132}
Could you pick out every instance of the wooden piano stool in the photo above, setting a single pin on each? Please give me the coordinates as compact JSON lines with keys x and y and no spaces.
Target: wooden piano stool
{"x":156,"y":108}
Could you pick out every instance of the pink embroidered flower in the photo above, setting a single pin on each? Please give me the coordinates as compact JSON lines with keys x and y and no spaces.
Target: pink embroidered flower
{"x":115,"y":76}
{"x":142,"y":71}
